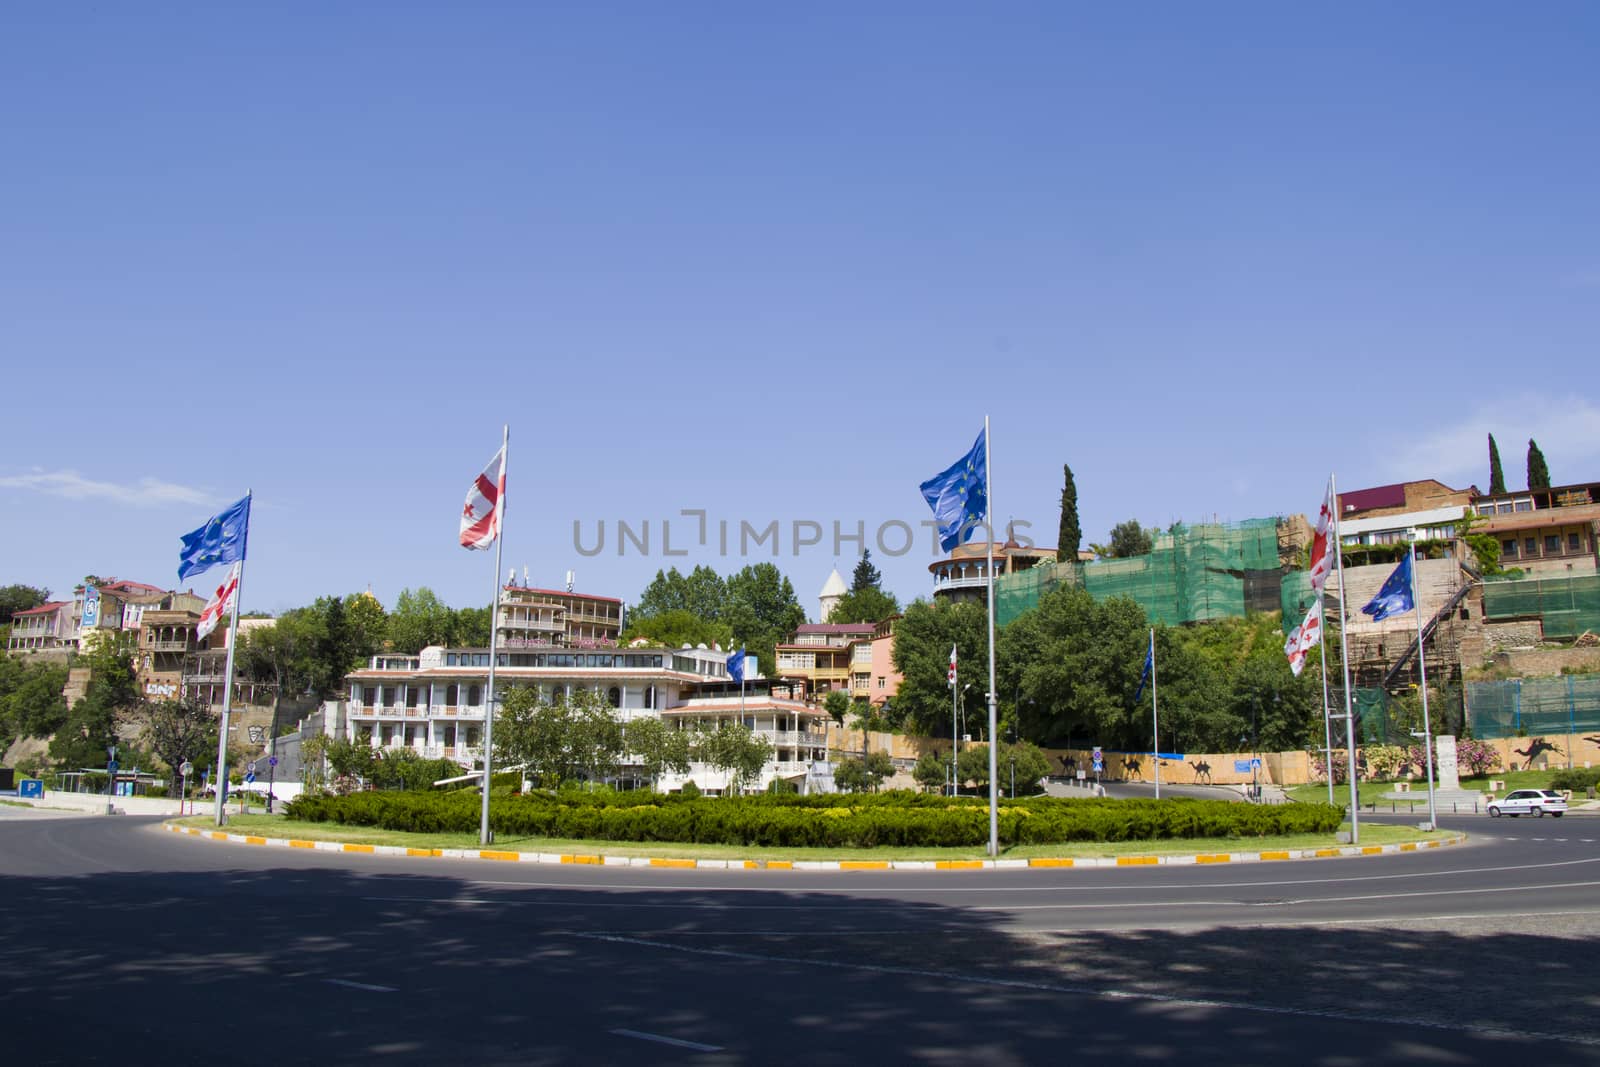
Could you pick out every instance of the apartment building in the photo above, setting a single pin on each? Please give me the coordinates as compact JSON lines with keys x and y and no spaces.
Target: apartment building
{"x":45,"y":628}
{"x":964,"y":574}
{"x":820,"y":657}
{"x":435,"y":702}
{"x":1545,"y":532}
{"x":548,"y":618}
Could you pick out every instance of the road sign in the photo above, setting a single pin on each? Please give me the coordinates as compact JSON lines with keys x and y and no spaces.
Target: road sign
{"x":186,"y":769}
{"x":111,"y":768}
{"x":1241,"y":766}
{"x":31,"y":787}
{"x":249,"y":776}
{"x":252,"y":767}
{"x":1255,"y":765}
{"x":272,"y":762}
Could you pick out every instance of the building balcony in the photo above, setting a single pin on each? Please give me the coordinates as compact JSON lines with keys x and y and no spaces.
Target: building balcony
{"x":970,"y":581}
{"x":554,"y":626}
{"x":164,"y":646}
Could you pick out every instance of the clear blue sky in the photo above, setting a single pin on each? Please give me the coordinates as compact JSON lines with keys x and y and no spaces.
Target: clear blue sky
{"x":773,"y":261}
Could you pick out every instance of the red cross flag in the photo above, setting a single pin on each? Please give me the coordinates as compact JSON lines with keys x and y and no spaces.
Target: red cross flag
{"x":221,"y":603}
{"x":1302,"y":638}
{"x":952,"y":664}
{"x":1322,"y":544}
{"x":480,"y":519}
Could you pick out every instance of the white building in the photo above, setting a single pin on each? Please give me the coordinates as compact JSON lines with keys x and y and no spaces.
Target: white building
{"x":434,"y":702}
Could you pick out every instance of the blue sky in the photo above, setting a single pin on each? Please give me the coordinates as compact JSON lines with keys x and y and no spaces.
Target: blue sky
{"x":772,"y":261}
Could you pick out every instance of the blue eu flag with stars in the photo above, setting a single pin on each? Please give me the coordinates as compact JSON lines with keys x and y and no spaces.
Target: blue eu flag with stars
{"x":221,"y":540}
{"x":1395,"y":596}
{"x":959,"y":495}
{"x":736,"y":666}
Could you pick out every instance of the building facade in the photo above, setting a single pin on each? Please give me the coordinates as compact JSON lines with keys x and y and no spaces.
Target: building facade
{"x":1547,"y":532}
{"x":435,"y":703}
{"x":46,"y":628}
{"x":820,"y":657}
{"x":964,"y":574}
{"x":548,"y":618}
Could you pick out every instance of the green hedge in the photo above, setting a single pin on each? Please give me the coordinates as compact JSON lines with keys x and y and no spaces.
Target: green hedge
{"x":854,"y":821}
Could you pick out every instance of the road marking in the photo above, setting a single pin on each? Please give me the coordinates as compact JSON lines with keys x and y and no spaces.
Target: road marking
{"x":1079,"y":990}
{"x":675,"y":1042}
{"x":1286,"y":903}
{"x":363,"y":986}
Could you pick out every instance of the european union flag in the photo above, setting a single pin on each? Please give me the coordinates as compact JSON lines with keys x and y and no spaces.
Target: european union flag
{"x":221,"y":540}
{"x":1149,"y":665}
{"x":959,"y":496}
{"x":736,"y":666}
{"x":1395,"y":597}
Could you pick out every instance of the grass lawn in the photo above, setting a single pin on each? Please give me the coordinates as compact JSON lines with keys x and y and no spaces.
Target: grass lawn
{"x":1372,"y":792}
{"x":276,"y":826}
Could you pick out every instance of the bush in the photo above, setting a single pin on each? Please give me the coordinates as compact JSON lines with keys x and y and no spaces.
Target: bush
{"x":788,"y":820}
{"x":1577,"y":779}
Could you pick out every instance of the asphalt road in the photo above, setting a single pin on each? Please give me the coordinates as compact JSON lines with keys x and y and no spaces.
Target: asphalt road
{"x":122,"y":942}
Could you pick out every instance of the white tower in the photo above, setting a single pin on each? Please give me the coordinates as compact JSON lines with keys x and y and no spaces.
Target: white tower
{"x":832,"y":591}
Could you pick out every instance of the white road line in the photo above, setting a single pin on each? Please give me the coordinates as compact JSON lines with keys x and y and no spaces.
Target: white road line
{"x":694,"y":1046}
{"x":1290,"y":903}
{"x":363,"y":986}
{"x":1079,"y":990}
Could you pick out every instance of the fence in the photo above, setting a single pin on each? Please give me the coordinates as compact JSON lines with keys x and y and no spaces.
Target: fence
{"x":1532,"y":706}
{"x":1568,"y":606}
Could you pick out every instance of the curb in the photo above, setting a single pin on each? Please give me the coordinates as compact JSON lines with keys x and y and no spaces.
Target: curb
{"x":681,"y":863}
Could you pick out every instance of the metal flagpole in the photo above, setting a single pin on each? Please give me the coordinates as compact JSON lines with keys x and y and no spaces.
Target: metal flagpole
{"x":227,"y":689}
{"x":1344,"y":658}
{"x":484,"y":836}
{"x":1327,"y":720}
{"x":1155,"y":716}
{"x":955,"y":733}
{"x":994,"y":761}
{"x":1422,"y":666}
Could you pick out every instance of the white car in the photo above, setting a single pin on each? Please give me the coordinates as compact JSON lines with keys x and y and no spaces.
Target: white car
{"x":1529,"y":802}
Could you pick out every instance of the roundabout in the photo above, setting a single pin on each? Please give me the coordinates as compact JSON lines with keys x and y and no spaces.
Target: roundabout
{"x":1390,"y":959}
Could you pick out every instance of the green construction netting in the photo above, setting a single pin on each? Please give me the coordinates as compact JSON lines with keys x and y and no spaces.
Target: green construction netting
{"x":1195,"y":573}
{"x":1385,"y":718}
{"x":1568,"y":606}
{"x":1534,"y":706}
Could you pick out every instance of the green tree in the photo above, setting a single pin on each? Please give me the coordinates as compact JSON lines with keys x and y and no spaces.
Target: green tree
{"x":736,"y":750}
{"x":866,"y":576}
{"x":1129,"y":539}
{"x":31,"y":702}
{"x":470,"y":628}
{"x":1538,"y":473}
{"x":350,"y":759}
{"x":1070,"y":536}
{"x":110,"y":699}
{"x":369,"y":626}
{"x":837,"y":705}
{"x":701,"y":593}
{"x":868,"y":605}
{"x":863,"y":775}
{"x":1497,"y":476}
{"x":922,"y":642}
{"x":419,"y":619}
{"x":932,"y":771}
{"x":15,"y":598}
{"x":658,"y":747}
{"x":762,"y":610}
{"x":676,"y":628}
{"x":178,"y":730}
{"x":560,"y":740}
{"x":1022,"y":767}
{"x":865,"y":716}
{"x":972,"y":767}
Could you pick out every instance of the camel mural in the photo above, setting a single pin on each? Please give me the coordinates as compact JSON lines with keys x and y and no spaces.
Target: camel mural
{"x":1535,"y":748}
{"x":1132,"y":768}
{"x":1202,"y":772}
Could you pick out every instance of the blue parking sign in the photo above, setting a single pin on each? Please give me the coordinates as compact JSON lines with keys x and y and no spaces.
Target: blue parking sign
{"x":31,"y":788}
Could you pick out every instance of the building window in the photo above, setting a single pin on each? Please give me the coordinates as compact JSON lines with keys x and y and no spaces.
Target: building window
{"x":1509,"y":548}
{"x":450,"y":695}
{"x":614,"y":697}
{"x":1552,"y":544}
{"x":388,"y":696}
{"x":474,"y":696}
{"x":1524,"y":505}
{"x":1574,"y":542}
{"x":1530,"y":546}
{"x":369,"y":696}
{"x":1505,"y":509}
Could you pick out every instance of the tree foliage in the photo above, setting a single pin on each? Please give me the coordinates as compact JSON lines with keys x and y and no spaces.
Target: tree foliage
{"x":1070,"y":534}
{"x":178,"y":730}
{"x":1538,"y":472}
{"x":658,"y":747}
{"x":866,"y":576}
{"x":856,"y":775}
{"x":31,"y":704}
{"x":932,"y":771}
{"x":922,"y":642}
{"x":736,"y":750}
{"x":1497,"y":475}
{"x":561,"y":740}
{"x":110,"y":699}
{"x":757,"y":605}
{"x":420,"y":619}
{"x":676,"y":628}
{"x":867,"y":605}
{"x":15,"y":598}
{"x":1129,"y":539}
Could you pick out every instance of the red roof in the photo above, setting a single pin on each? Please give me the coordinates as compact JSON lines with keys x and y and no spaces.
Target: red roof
{"x":1383,"y":496}
{"x":42,"y":608}
{"x":559,"y":592}
{"x":836,"y":628}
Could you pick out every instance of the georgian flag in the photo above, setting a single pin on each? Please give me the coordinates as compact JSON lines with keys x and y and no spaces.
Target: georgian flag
{"x":952,"y":665}
{"x":1302,"y":638}
{"x":1322,"y":543}
{"x":221,"y":603}
{"x":480,"y":519}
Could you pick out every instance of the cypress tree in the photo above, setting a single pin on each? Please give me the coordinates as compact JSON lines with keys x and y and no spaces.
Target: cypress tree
{"x":1497,"y":476}
{"x":866,"y":576}
{"x":1538,"y":473}
{"x":1071,"y":534}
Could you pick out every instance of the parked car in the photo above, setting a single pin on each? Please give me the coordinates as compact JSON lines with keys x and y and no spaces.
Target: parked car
{"x":1529,"y":802}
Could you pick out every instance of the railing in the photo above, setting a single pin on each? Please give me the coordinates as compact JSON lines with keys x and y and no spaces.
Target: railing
{"x":550,"y":625}
{"x":970,"y":582}
{"x":165,"y":646}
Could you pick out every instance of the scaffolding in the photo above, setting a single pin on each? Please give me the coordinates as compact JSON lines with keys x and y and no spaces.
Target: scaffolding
{"x":1529,"y":707}
{"x":1193,"y":574}
{"x":1568,"y":607}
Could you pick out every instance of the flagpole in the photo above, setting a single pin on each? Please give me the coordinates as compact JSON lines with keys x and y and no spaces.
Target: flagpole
{"x":1155,"y":716}
{"x":994,"y":760}
{"x":484,"y":835}
{"x":1327,"y":719}
{"x":227,"y":689}
{"x":1344,"y":659}
{"x":1422,"y":666}
{"x":955,"y":730}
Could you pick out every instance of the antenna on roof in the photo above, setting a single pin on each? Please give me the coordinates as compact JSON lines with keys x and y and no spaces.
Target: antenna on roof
{"x":571,"y":578}
{"x":524,"y":574}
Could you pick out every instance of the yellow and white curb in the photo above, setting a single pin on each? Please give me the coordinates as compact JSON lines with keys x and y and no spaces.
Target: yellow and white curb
{"x":1272,"y":856}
